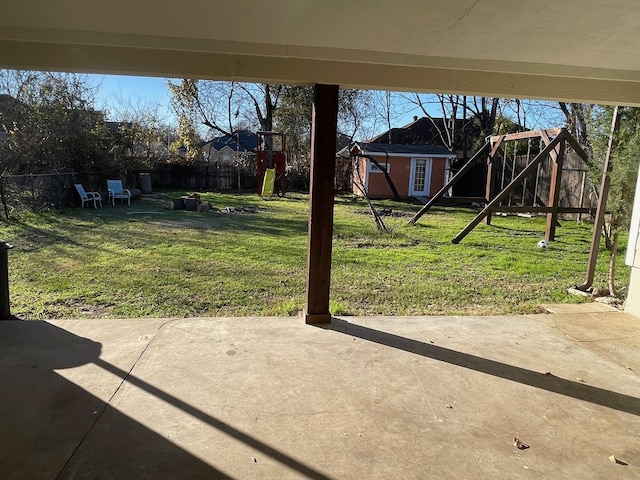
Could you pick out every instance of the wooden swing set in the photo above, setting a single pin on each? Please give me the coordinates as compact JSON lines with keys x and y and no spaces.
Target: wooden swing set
{"x":500,"y":153}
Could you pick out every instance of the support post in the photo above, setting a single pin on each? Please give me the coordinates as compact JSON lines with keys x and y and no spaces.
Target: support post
{"x":602,"y":205}
{"x":323,"y":161}
{"x":554,"y":192}
{"x":492,"y":173}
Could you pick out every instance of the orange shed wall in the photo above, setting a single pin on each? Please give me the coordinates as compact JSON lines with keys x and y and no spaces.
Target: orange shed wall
{"x":438,"y":166}
{"x":399,"y":171}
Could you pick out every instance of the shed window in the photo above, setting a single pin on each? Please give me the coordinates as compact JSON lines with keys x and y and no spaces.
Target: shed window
{"x":373,"y":168}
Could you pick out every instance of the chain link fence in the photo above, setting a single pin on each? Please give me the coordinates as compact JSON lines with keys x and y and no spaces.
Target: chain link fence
{"x":36,"y":192}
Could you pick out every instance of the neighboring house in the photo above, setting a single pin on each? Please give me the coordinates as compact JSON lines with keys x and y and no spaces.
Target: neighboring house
{"x":226,"y":148}
{"x":415,"y":170}
{"x":435,"y":131}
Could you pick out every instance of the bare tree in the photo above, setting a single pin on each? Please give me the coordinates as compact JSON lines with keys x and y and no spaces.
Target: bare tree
{"x":577,"y":116}
{"x":219,"y":106}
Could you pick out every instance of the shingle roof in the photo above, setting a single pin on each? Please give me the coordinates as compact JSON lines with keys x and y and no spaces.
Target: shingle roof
{"x":241,"y":141}
{"x":405,"y":149}
{"x":426,"y":130}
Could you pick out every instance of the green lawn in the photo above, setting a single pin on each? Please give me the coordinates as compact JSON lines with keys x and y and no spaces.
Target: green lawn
{"x":109,"y":263}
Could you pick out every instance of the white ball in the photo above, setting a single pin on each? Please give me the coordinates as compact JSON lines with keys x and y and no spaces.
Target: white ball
{"x":543,"y":244}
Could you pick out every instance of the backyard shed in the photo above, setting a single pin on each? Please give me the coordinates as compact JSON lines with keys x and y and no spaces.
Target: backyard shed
{"x":415,"y":170}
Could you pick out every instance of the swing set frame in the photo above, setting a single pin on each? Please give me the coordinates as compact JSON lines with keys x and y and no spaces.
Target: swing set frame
{"x":494,"y":153}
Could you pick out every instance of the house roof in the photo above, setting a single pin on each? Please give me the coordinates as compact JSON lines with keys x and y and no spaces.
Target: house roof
{"x":394,"y":149}
{"x":240,"y":141}
{"x":431,"y":131}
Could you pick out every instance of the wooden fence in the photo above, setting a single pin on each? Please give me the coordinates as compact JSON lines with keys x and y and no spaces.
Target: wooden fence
{"x":201,"y":177}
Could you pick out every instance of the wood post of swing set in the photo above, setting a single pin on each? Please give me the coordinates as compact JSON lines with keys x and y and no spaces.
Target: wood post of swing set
{"x":323,"y":162}
{"x":602,"y":205}
{"x":489,"y":152}
{"x":495,"y":202}
{"x":556,"y":150}
{"x":557,"y":157}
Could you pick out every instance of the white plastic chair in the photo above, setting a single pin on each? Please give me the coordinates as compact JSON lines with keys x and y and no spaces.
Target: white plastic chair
{"x":94,"y":197}
{"x":117,"y":191}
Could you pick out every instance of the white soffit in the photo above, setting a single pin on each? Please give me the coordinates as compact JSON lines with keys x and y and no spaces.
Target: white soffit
{"x":582,"y":50}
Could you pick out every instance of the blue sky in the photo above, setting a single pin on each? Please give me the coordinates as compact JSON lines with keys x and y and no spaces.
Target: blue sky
{"x":116,"y":90}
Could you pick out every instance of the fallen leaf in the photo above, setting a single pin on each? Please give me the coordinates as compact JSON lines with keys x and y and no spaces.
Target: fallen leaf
{"x":617,"y":461}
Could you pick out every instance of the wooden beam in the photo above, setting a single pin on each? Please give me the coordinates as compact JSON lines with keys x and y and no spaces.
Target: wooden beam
{"x":323,"y":166}
{"x":602,"y":204}
{"x":540,"y":209}
{"x":507,"y":190}
{"x":465,"y":168}
{"x":524,"y":135}
{"x":577,"y":147}
{"x":495,"y":142}
{"x":492,"y":175}
{"x":557,"y":156}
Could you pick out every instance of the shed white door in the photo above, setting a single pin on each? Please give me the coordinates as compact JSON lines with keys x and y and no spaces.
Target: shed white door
{"x":420,"y":177}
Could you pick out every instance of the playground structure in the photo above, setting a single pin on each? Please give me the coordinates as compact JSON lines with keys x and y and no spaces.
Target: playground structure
{"x":502,"y":154}
{"x":271,"y":160}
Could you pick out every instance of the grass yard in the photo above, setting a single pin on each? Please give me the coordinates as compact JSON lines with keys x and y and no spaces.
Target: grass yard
{"x":146,"y":261}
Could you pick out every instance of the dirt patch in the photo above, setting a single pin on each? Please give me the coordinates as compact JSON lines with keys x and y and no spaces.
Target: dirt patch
{"x":387,"y":212}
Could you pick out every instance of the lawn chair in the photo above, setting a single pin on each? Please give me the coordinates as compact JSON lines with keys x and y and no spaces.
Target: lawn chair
{"x":116,"y":191}
{"x":88,"y":196}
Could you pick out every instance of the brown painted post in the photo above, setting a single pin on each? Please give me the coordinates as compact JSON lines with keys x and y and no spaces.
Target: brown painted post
{"x":602,"y":204}
{"x":323,"y":165}
{"x":554,"y":191}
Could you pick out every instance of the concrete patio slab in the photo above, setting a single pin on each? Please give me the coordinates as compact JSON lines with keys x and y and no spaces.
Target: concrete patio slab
{"x":383,"y":397}
{"x":567,"y":308}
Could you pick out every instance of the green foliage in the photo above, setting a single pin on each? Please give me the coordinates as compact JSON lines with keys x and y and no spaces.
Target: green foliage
{"x":56,"y":128}
{"x":187,"y":144}
{"x":625,"y":159}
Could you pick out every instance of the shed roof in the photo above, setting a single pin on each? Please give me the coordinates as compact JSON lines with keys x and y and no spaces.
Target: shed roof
{"x":398,"y":149}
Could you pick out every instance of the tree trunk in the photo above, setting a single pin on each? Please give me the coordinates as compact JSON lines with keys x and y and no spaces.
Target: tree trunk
{"x":394,"y":190}
{"x":377,"y":219}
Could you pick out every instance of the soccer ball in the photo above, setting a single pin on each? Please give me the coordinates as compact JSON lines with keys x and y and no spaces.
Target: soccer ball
{"x":543,"y":244}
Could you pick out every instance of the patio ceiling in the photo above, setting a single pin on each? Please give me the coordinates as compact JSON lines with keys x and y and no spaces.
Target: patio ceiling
{"x":580,"y":50}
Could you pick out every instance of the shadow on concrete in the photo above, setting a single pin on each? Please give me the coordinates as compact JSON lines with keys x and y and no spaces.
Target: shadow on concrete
{"x":52,"y":428}
{"x":46,"y":419}
{"x":544,"y":381}
{"x":223,"y":427}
